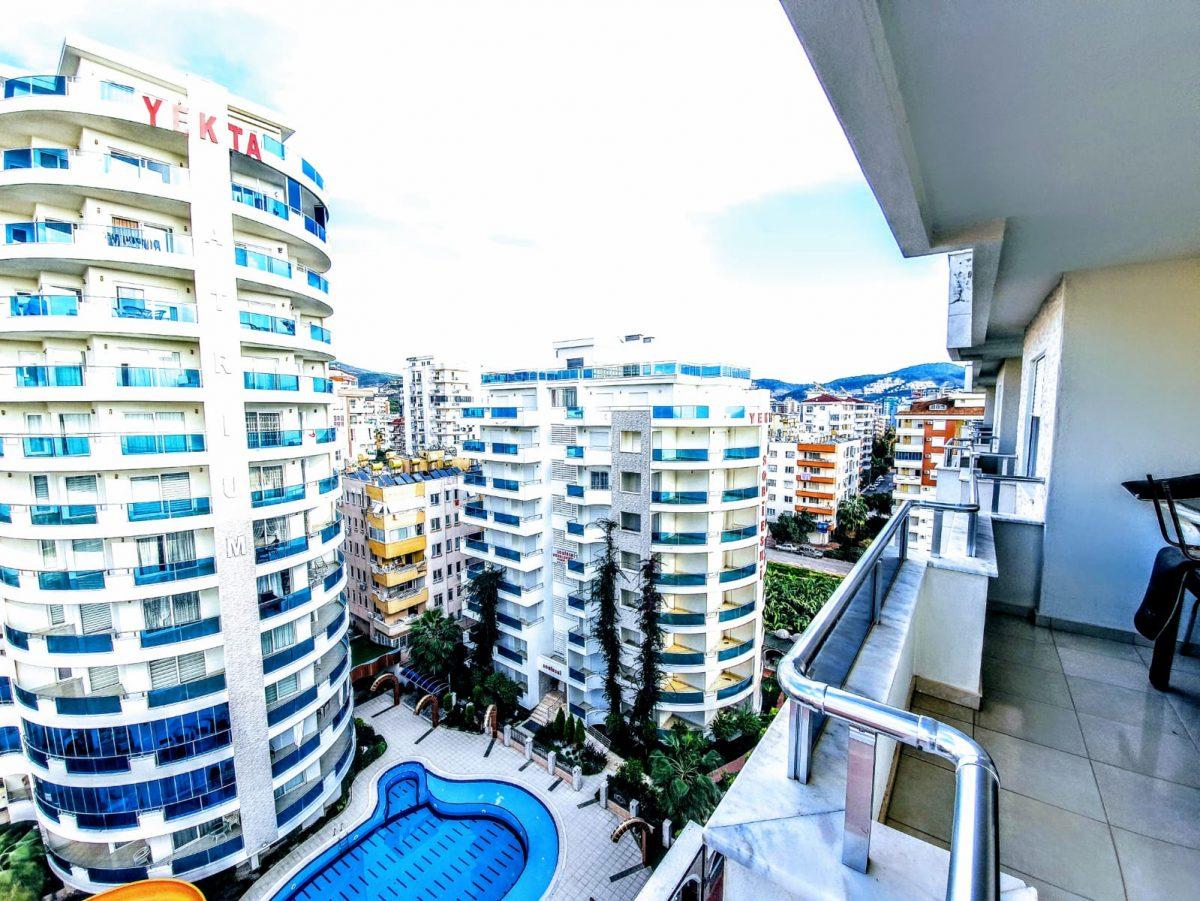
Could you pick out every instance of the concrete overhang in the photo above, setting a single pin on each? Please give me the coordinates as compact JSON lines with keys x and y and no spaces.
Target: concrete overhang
{"x":1042,"y":138}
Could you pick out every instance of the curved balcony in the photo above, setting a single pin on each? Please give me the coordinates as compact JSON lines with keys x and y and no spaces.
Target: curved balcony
{"x":63,"y":640}
{"x":739,"y":573}
{"x":268,"y":330}
{"x":41,"y":314}
{"x":259,"y":270}
{"x":730,"y":614}
{"x":69,"y":699}
{"x":66,"y":382}
{"x":273,"y":219}
{"x":40,"y":244}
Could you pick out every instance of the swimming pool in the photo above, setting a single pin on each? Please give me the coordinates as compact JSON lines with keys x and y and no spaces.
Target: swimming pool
{"x":431,"y":837}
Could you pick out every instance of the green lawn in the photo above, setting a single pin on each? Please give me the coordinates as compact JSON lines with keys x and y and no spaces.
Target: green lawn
{"x":363,"y":650}
{"x":794,"y":595}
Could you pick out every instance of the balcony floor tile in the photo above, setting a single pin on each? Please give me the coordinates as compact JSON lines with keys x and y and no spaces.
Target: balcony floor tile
{"x":923,"y":797}
{"x":1104,"y":668}
{"x":1045,"y":774}
{"x":1182,"y":664}
{"x":1149,"y":806}
{"x":1046,"y":724}
{"x":1155,"y":869}
{"x":1143,"y":749}
{"x":1074,"y":642}
{"x":1037,"y":654}
{"x":1046,"y":891}
{"x":1123,"y":705}
{"x":1015,"y":678}
{"x":1064,"y":848}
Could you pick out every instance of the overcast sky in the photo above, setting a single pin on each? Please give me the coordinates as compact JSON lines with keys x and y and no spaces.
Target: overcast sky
{"x":502,"y":174}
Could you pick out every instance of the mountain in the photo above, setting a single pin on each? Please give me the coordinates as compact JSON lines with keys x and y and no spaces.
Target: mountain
{"x":367,"y":378}
{"x":938,"y":373}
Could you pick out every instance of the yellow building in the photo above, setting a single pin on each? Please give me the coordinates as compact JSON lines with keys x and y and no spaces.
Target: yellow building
{"x":404,"y":554}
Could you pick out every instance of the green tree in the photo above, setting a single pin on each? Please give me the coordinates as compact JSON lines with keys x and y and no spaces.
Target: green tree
{"x":433,"y":644}
{"x":498,"y":689}
{"x":559,"y":726}
{"x":607,"y":628}
{"x":484,"y":593}
{"x":649,"y":664}
{"x":22,"y":863}
{"x":680,"y":771}
{"x":852,"y":516}
{"x":793,"y":528}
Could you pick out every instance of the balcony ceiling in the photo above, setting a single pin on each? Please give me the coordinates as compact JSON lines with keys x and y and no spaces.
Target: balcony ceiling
{"x":1049,"y":137}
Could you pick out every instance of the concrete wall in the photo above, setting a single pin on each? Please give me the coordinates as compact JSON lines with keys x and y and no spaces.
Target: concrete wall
{"x":1019,"y":546}
{"x":1043,"y":338}
{"x":1006,"y":412}
{"x":1127,"y":405}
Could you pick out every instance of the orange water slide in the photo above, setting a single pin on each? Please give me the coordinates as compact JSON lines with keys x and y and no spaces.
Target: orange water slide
{"x":152,"y":890}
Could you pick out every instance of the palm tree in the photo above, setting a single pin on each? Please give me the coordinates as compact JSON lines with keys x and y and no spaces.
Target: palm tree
{"x":650,"y":653}
{"x":433,"y":644}
{"x":606,"y":631}
{"x":680,"y":773}
{"x":852,"y":516}
{"x":484,"y":593}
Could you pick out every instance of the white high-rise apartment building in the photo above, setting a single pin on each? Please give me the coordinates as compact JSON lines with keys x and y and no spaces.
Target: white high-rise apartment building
{"x":842,"y":416}
{"x":362,"y":418}
{"x":434,"y":395}
{"x":810,"y":472}
{"x":673,"y":454}
{"x":169,"y":543}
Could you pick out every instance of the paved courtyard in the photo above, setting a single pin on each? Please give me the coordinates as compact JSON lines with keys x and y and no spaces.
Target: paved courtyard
{"x":590,"y":865}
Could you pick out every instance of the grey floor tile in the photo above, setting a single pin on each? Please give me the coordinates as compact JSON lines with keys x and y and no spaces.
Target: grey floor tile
{"x":1046,"y":891}
{"x":1046,"y":724}
{"x":1045,"y":774}
{"x":1002,"y":624}
{"x":1063,"y":848}
{"x":1149,"y":806}
{"x":1123,"y":705}
{"x":917,"y":833}
{"x":1182,"y":664}
{"x":1101,"y":668}
{"x":1026,"y":682}
{"x":1010,"y":648}
{"x":1186,"y":706}
{"x":1156,"y":871}
{"x":1143,"y":749}
{"x":939,"y":707}
{"x":923,"y":797}
{"x":1122,"y":650}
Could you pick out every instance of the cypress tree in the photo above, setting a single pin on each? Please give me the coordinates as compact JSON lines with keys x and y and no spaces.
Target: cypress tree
{"x":650,"y":653}
{"x":607,"y":630}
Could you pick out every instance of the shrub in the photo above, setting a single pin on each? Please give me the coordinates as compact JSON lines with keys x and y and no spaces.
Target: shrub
{"x":725,"y":725}
{"x":592,"y":760}
{"x":558,"y":726}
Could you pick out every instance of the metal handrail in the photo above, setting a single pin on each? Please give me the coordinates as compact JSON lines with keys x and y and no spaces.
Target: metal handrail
{"x":974,"y":871}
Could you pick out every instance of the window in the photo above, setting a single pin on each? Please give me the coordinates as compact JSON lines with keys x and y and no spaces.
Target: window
{"x":631,"y":522}
{"x":174,"y":670}
{"x":630,"y":560}
{"x":789,"y":469}
{"x":174,"y":610}
{"x":437,"y":576}
{"x":434,"y":499}
{"x":278,"y":638}
{"x":437,"y":600}
{"x":631,"y":482}
{"x":773,"y":468}
{"x":791,"y":455}
{"x":110,"y":90}
{"x":283,"y":688}
{"x":436,"y":550}
{"x":631,"y":442}
{"x":599,"y":480}
{"x":435,"y":524}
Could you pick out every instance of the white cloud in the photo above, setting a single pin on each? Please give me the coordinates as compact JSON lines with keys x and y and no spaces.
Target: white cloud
{"x":502,"y":174}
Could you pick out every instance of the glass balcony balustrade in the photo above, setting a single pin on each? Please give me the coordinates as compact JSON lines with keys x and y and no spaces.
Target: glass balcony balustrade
{"x":56,"y":376}
{"x":259,"y":201}
{"x":177,"y":508}
{"x":261,"y":322}
{"x":266,"y":497}
{"x":319,"y":333}
{"x":274,"y":438}
{"x":263,"y":262}
{"x":156,"y":377}
{"x":159,"y":573}
{"x":162,"y":444}
{"x":680,"y":454}
{"x":56,"y":445}
{"x":270,"y":381}
{"x":679,"y":497}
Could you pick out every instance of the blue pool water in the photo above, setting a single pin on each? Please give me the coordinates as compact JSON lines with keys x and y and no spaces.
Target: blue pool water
{"x":433,"y":838}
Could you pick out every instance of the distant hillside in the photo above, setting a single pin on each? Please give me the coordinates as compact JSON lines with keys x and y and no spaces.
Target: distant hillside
{"x":367,"y":378}
{"x":939,"y":373}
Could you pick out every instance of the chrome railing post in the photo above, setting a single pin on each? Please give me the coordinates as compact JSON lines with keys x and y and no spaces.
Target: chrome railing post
{"x":799,"y":741}
{"x":860,"y":797}
{"x":974,"y":849}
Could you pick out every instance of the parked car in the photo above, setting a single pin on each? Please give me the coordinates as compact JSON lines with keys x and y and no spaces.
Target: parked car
{"x":807,"y":551}
{"x":787,"y":548}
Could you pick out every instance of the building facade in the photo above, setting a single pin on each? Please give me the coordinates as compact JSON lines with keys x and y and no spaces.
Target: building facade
{"x":837,"y":415}
{"x":169,"y":543}
{"x":434,"y":395}
{"x":922,"y":430}
{"x":404,"y":543}
{"x":810,"y":472}
{"x":362,"y":418}
{"x":671,"y":454}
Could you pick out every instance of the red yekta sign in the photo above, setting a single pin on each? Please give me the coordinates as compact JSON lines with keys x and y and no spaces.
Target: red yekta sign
{"x":177,"y":115}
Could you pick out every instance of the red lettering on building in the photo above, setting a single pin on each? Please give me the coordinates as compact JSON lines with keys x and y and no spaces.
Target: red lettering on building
{"x":252,"y":146}
{"x":153,"y":104}
{"x":236,"y":131}
{"x":206,"y":127}
{"x":179,"y":117}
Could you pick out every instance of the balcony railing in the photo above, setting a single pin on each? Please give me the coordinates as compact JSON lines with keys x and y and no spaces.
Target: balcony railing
{"x":156,"y":574}
{"x":62,"y":514}
{"x":280,"y":549}
{"x":261,"y":322}
{"x":154,"y":638}
{"x":679,"y":538}
{"x":57,"y":446}
{"x":741,"y":572}
{"x":742,"y":453}
{"x":680,"y":454}
{"x":730,"y":495}
{"x":144,"y":511}
{"x":155,"y":377}
{"x":685,"y":412}
{"x":679,"y":497}
{"x":270,"y":381}
{"x":274,"y":438}
{"x":60,"y":376}
{"x":320,"y":333}
{"x":266,"y":497}
{"x":162,"y":444}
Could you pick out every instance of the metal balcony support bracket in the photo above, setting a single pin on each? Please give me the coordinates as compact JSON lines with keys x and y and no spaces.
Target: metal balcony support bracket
{"x":860,"y":797}
{"x":800,"y":742}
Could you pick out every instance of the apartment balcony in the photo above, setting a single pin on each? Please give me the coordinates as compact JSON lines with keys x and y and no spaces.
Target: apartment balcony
{"x":522,"y":489}
{"x":502,"y":451}
{"x":391,"y":575}
{"x":390,"y":602}
{"x":583,"y":495}
{"x":519,"y":417}
{"x":525,"y":525}
{"x":389,"y":550}
{"x":582,"y":455}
